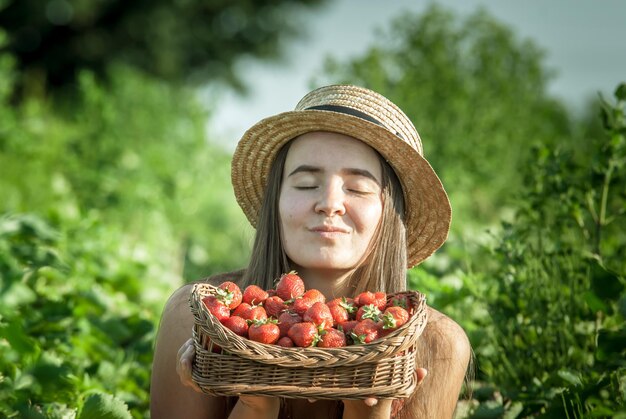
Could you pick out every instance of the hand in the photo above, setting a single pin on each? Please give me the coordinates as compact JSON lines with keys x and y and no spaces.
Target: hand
{"x":373,"y":407}
{"x":257,"y":407}
{"x":184,"y":360}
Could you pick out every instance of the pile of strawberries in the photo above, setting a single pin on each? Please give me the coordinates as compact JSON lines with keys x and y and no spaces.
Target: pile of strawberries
{"x":290,"y":315}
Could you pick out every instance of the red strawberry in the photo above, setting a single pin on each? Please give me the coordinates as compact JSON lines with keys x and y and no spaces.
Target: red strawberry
{"x":347,"y":303}
{"x":301,"y":305}
{"x":214,"y":347}
{"x":229,"y":293}
{"x":290,"y":286}
{"x":341,"y":309}
{"x":394,"y":317}
{"x":366,"y":331}
{"x":368,"y":312}
{"x":264,"y":331}
{"x":285,"y":342}
{"x":304,"y":334}
{"x":332,"y":338}
{"x":399,"y":301}
{"x":216,"y":307}
{"x":314,"y":295}
{"x":319,"y":313}
{"x":237,"y":324}
{"x":286,"y":320}
{"x":241,"y":309}
{"x":274,"y":306}
{"x":347,"y":327}
{"x":339,"y":314}
{"x":255,"y":313}
{"x":271,"y":292}
{"x":254,"y":295}
{"x":379,"y":299}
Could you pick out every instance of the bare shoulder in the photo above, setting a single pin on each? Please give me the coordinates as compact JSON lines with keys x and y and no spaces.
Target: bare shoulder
{"x":444,"y":333}
{"x":178,"y":303}
{"x":168,"y":397}
{"x":177,"y":306}
{"x":444,"y":351}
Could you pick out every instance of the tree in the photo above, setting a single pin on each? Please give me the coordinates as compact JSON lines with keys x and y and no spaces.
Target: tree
{"x":173,"y":40}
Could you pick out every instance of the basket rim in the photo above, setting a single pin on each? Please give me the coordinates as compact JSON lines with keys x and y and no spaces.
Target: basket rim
{"x":212,"y":386}
{"x":403,"y":338}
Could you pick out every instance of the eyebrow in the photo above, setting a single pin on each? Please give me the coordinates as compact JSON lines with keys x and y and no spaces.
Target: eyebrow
{"x":349,"y":171}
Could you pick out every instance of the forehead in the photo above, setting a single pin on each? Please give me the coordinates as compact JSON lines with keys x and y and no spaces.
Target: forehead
{"x":329,"y":150}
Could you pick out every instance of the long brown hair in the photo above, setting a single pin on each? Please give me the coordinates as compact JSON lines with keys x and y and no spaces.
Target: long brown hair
{"x":384,"y":268}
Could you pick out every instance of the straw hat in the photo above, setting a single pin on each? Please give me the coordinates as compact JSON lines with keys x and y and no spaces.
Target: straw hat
{"x":371,"y":118}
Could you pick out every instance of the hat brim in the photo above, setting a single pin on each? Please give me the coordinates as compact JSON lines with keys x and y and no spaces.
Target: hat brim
{"x":427,"y":207}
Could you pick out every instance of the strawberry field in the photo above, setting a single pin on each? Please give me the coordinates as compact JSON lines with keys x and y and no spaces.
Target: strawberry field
{"x":115,"y":195}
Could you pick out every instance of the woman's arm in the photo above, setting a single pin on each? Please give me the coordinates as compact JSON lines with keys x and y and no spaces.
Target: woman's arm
{"x":169,"y":398}
{"x":444,"y":350}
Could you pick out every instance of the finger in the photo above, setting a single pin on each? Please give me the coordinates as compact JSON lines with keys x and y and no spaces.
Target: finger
{"x":184,"y":347}
{"x":421,"y":374}
{"x":190,"y":353}
{"x":187,"y":379}
{"x":371,"y":401}
{"x":183,"y":367}
{"x":183,"y":361}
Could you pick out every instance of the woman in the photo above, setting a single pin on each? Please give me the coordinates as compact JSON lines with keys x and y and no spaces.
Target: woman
{"x":338,"y":190}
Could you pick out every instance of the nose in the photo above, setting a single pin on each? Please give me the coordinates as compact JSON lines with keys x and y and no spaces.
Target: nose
{"x":332,"y":199}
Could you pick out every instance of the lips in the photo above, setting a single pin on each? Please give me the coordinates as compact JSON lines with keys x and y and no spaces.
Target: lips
{"x":329,"y":229}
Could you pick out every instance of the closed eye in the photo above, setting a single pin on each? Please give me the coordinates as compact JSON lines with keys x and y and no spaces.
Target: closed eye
{"x":360,"y":192}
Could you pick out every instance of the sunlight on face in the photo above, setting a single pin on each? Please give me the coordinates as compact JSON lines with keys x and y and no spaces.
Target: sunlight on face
{"x":330,"y":202}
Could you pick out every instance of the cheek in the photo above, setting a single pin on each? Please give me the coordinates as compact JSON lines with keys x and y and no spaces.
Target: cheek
{"x":290,"y":213}
{"x":369,"y":217}
{"x":285,"y":210}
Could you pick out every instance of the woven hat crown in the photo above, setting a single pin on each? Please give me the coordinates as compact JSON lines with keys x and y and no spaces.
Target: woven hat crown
{"x":365,"y":101}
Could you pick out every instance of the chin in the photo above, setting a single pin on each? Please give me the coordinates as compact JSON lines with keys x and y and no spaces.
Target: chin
{"x":329,"y":265}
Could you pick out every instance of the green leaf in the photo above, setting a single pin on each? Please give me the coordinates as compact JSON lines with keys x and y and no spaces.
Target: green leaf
{"x":103,"y":406}
{"x":489,"y":410}
{"x":620,"y":91}
{"x":605,"y":283}
{"x":18,"y":294}
{"x":611,"y":344}
{"x":570,"y":377}
{"x":513,"y":411}
{"x":594,"y":303}
{"x":621,"y":306}
{"x":18,"y":338}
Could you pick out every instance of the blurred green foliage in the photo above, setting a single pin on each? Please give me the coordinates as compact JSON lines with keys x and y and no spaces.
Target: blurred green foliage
{"x":113,"y":198}
{"x":185,"y":40}
{"x":109,"y":203}
{"x":74,"y":319}
{"x":135,"y":153}
{"x":557,"y":318}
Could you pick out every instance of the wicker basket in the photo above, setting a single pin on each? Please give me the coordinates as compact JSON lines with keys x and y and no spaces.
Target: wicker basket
{"x":384,"y":368}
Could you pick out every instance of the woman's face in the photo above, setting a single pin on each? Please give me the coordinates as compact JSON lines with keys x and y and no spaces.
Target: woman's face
{"x":330,"y":201}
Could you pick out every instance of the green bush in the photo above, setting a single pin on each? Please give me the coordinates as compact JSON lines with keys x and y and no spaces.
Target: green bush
{"x":73,"y":317}
{"x":108,"y":202}
{"x":559,"y":336}
{"x":135,"y":153}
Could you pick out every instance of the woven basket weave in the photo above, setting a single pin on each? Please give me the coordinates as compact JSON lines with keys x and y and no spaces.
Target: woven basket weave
{"x":384,"y":368}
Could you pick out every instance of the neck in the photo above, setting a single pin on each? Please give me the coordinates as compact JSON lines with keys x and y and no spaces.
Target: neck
{"x":331,"y":283}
